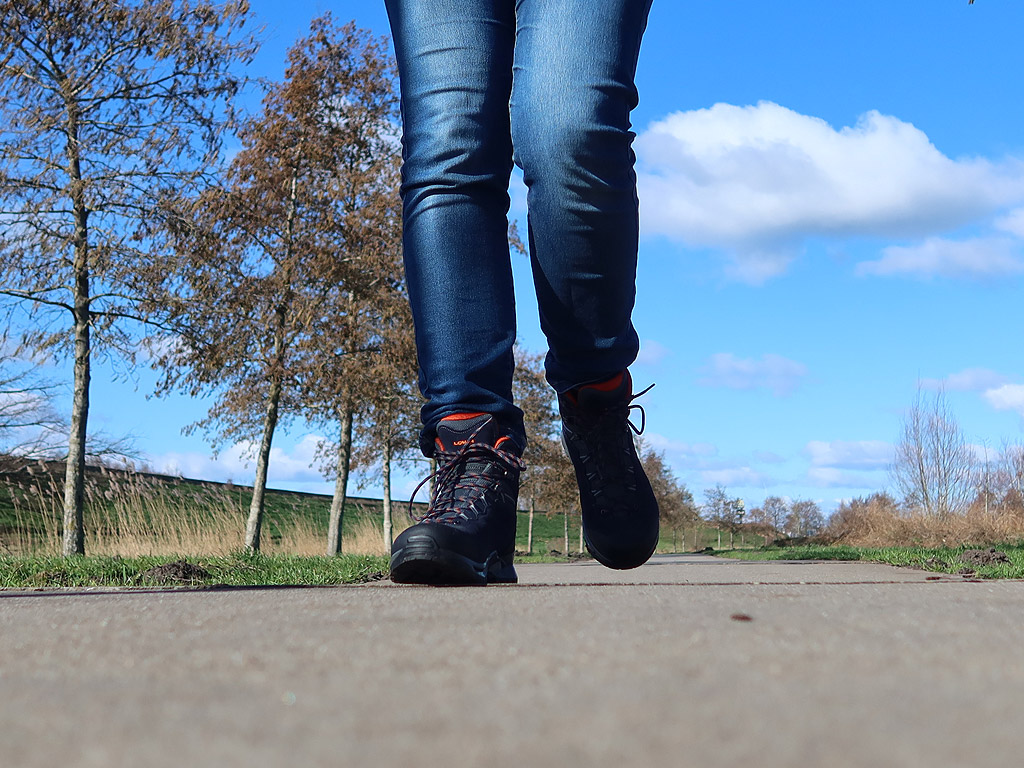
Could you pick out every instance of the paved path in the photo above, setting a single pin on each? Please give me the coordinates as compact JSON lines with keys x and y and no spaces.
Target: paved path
{"x":687,"y":661}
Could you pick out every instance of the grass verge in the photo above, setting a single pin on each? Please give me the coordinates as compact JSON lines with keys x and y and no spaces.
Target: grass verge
{"x":232,"y":570}
{"x":955,"y":560}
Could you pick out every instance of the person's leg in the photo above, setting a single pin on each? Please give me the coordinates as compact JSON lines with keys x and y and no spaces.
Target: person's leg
{"x":573,"y":90}
{"x":455,"y":67}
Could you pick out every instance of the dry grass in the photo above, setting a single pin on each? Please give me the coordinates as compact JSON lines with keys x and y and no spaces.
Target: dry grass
{"x":365,"y":536}
{"x":878,"y":522}
{"x":132,"y":515}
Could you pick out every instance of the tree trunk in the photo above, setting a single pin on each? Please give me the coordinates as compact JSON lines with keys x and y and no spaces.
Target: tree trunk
{"x":696,"y":533}
{"x":719,"y":538}
{"x":581,"y":536}
{"x":337,"y":514}
{"x":254,"y":525}
{"x":732,"y":539}
{"x":74,"y":471}
{"x":565,"y":521}
{"x":529,"y":528}
{"x":386,"y":478}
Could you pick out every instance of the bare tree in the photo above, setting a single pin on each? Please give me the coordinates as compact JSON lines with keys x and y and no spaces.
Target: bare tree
{"x":675,"y":502}
{"x":389,"y":420}
{"x":1011,"y":471}
{"x":804,"y":519}
{"x":30,"y":427}
{"x":338,"y":383}
{"x":104,"y":107}
{"x":718,"y":508}
{"x":934,"y":467}
{"x":272,"y":258}
{"x":771,"y":515}
{"x":723,"y":511}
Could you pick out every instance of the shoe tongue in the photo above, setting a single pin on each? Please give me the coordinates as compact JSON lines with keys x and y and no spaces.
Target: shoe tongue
{"x":455,"y":432}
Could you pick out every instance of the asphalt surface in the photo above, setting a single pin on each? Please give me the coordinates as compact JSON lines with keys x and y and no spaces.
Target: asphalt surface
{"x":687,"y":661}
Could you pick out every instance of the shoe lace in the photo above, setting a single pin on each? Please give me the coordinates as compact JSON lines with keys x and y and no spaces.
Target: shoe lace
{"x":462,"y":477}
{"x":605,"y":445}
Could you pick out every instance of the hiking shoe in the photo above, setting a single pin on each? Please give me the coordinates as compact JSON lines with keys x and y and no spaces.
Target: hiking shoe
{"x":620,"y":512}
{"x":468,"y":535}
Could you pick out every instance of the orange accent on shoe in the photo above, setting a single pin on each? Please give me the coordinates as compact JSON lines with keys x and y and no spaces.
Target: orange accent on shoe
{"x":502,"y":440}
{"x":456,"y":417}
{"x":606,"y":386}
{"x":462,"y":416}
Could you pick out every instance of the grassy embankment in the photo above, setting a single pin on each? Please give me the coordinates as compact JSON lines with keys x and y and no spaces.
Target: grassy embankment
{"x":956,"y":560}
{"x":135,"y":514}
{"x":136,"y":521}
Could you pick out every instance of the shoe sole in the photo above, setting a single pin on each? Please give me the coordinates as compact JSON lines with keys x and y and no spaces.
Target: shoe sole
{"x":607,"y":562}
{"x":617,"y":565}
{"x":421,"y":561}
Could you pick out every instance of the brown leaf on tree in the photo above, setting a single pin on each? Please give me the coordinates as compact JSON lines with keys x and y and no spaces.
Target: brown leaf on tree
{"x":289,"y":281}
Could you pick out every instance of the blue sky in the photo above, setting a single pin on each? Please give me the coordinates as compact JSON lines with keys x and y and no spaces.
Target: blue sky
{"x":832,"y":207}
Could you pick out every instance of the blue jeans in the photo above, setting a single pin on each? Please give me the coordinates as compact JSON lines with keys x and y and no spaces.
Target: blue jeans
{"x":548,"y":84}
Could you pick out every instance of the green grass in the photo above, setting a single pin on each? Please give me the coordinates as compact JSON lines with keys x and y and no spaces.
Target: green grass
{"x":548,"y":533}
{"x":940,"y":560}
{"x":235,"y":570}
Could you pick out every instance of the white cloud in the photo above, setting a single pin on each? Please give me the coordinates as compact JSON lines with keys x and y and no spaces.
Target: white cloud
{"x":845,"y":455}
{"x":651,"y":352}
{"x":830,"y":477}
{"x":1008,"y":397}
{"x":758,"y":180}
{"x":984,"y":452}
{"x":288,"y":467}
{"x":983,"y":257}
{"x":967,"y":380}
{"x":686,"y":453}
{"x":1012,"y":222}
{"x":774,"y":372}
{"x":735,"y":476}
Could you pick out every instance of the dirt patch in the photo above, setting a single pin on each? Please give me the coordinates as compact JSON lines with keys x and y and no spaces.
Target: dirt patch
{"x":990,"y":556}
{"x":179,"y":572}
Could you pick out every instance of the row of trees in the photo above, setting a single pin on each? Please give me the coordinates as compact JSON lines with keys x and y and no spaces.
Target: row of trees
{"x":775,"y":518}
{"x":267,"y":279}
